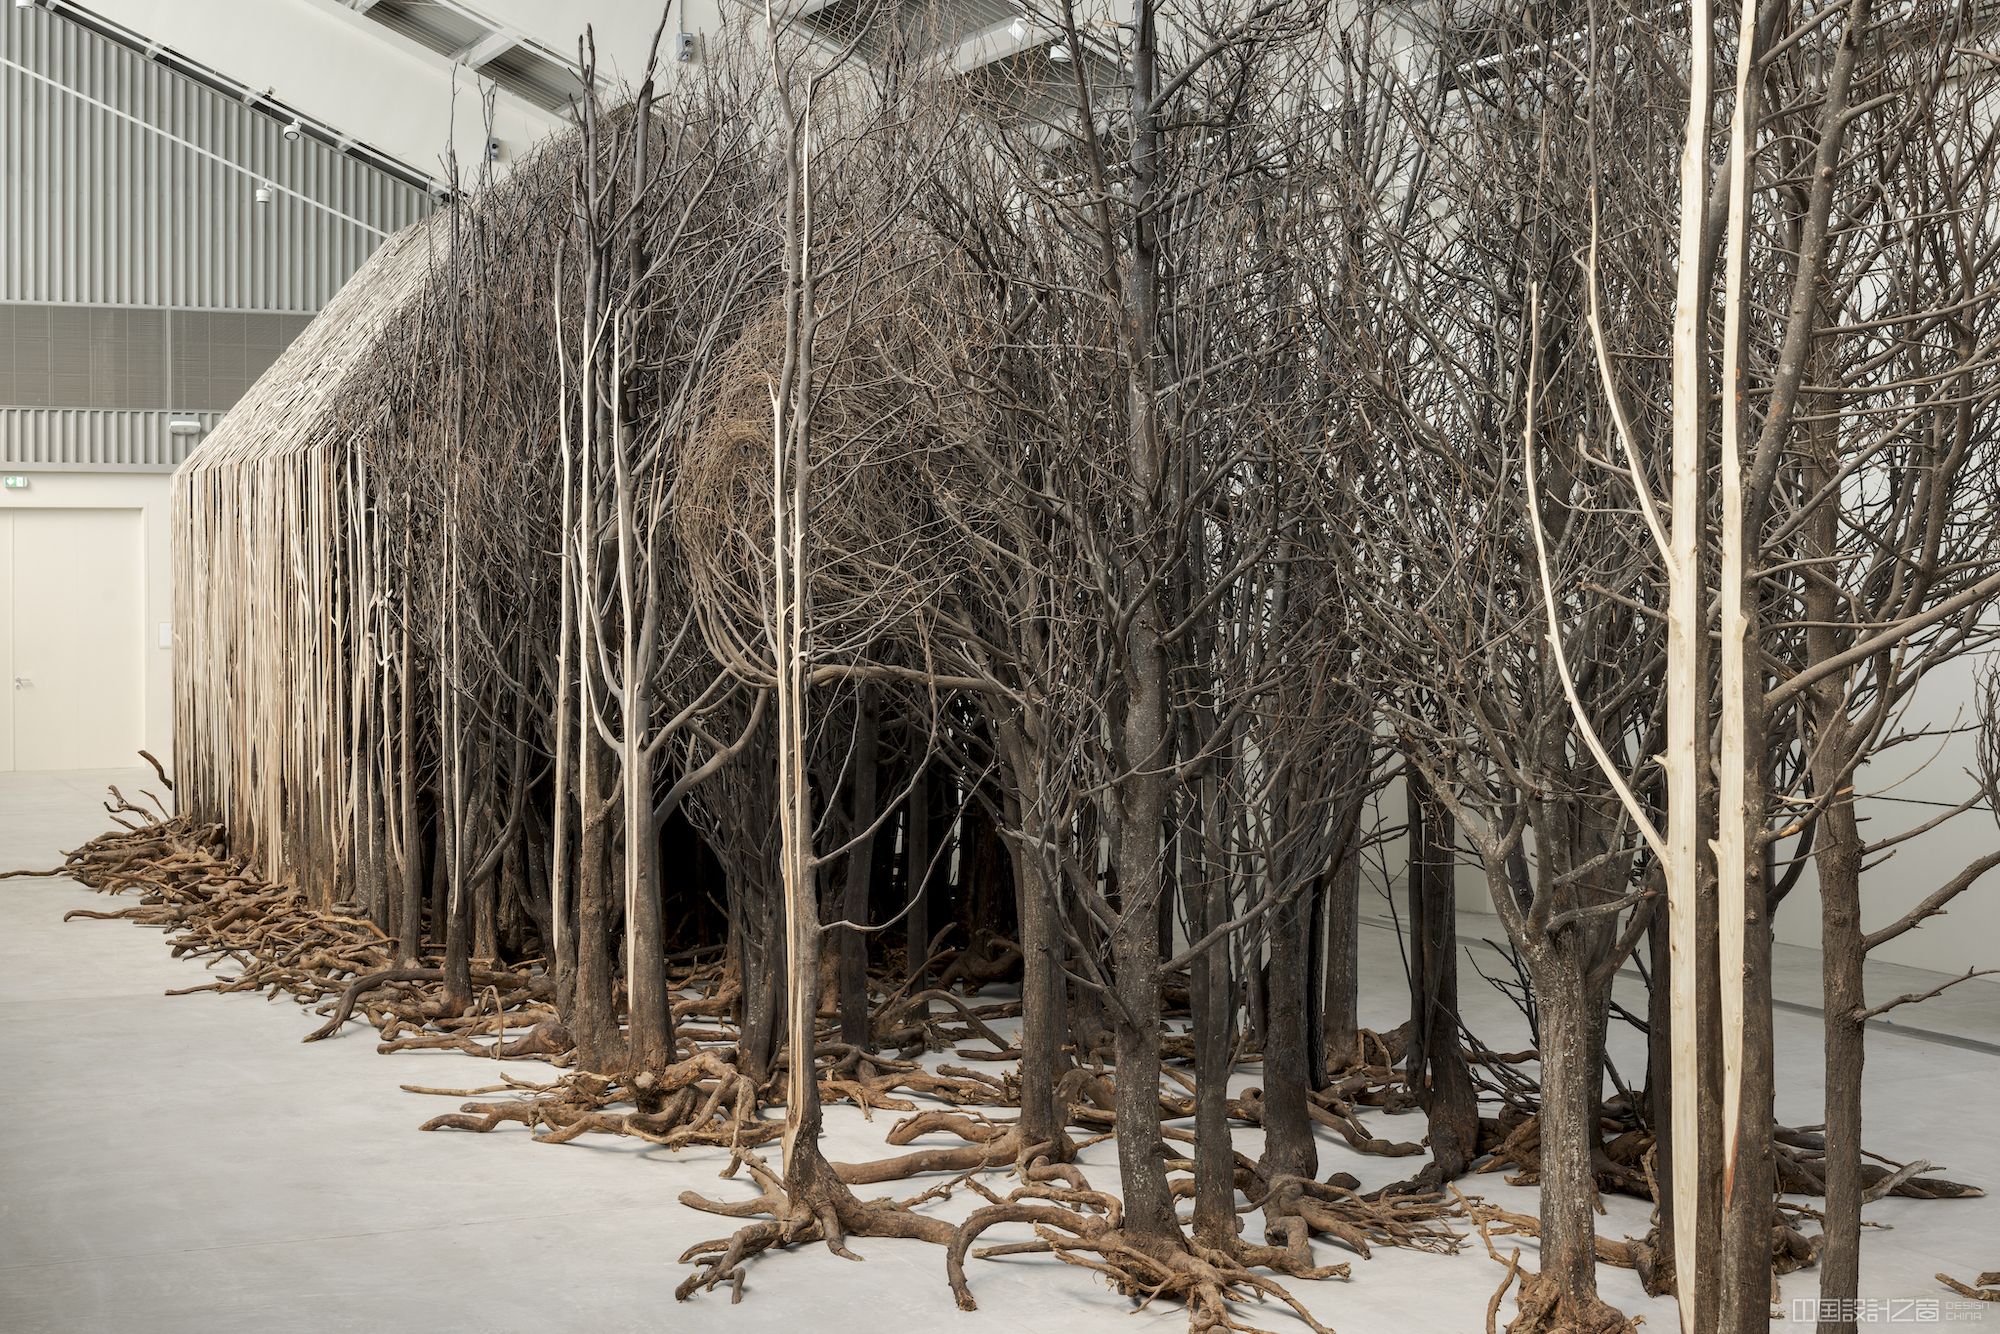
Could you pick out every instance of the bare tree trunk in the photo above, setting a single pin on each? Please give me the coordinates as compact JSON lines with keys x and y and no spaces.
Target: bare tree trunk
{"x":1746,"y":1283}
{"x":1435,"y":1065}
{"x":860,"y":869}
{"x":760,"y":957}
{"x":1149,"y":1204}
{"x":457,"y":931}
{"x":594,"y":1023}
{"x":1042,"y":994}
{"x":1288,"y":1139}
{"x":1572,"y":1086}
{"x":1340,"y":1017}
{"x":1837,"y":861}
{"x":1214,"y":1162}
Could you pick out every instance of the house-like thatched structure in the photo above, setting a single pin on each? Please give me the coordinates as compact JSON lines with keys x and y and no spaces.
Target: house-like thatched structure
{"x":263,"y":644}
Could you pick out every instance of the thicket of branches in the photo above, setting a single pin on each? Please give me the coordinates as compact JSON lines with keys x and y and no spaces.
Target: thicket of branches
{"x":841,"y":554}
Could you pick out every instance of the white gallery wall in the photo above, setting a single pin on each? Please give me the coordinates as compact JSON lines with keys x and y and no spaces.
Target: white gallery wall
{"x":100,"y":687}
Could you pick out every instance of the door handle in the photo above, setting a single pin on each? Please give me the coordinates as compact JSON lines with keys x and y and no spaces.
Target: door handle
{"x":22,"y":683}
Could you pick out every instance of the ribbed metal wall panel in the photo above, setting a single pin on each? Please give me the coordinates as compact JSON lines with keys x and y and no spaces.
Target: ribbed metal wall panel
{"x":88,"y":440}
{"x":99,"y":211}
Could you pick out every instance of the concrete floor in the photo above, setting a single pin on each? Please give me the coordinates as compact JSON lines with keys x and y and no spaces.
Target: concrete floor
{"x":187,"y":1164}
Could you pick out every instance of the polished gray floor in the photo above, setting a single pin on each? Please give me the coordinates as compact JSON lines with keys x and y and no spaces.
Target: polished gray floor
{"x":186,"y":1164}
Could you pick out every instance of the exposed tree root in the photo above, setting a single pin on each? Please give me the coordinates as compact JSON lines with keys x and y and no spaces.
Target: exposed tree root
{"x":816,"y":1206}
{"x":1513,"y":1144}
{"x":870,"y":1081}
{"x":218,"y":909}
{"x":1328,"y":1108}
{"x":1800,"y":1153}
{"x":1544,"y":1308}
{"x":1296,"y":1206}
{"x":701,"y":1100}
{"x":1985,"y":1288}
{"x":989,"y":1144}
{"x":1084,"y":1228}
{"x":907,"y":1024}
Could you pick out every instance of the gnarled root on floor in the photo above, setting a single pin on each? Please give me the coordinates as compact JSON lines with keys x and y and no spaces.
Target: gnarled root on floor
{"x":1328,"y":1108}
{"x":1985,"y":1288}
{"x":909,"y":1025}
{"x":1493,"y":1221}
{"x":1546,"y":1309}
{"x":1801,"y":1156}
{"x":1084,"y":1228}
{"x":1297,"y":1206}
{"x":701,"y":1100}
{"x":546,"y":1039}
{"x":988,"y":1144}
{"x":871,"y":1081}
{"x":1513,"y":1144}
{"x":814,"y":1204}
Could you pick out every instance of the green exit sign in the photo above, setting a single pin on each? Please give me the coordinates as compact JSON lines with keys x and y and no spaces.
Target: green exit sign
{"x":16,"y":482}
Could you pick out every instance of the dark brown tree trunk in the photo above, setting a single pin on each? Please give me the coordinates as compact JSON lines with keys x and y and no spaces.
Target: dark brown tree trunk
{"x":1436,"y":1066}
{"x":860,"y":868}
{"x":1042,"y":1021}
{"x":600,"y":1045}
{"x":457,"y":931}
{"x":1340,"y":1014}
{"x":760,"y":956}
{"x":1837,"y":859}
{"x":486,"y":906}
{"x":650,"y":1005}
{"x":1149,"y":1205}
{"x":1746,"y":1286}
{"x":1209,"y":1003}
{"x":1572,"y":1072}
{"x":1837,"y":863}
{"x":1288,"y":1139}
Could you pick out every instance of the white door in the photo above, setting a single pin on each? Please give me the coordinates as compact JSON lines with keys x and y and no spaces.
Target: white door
{"x":75,"y":581}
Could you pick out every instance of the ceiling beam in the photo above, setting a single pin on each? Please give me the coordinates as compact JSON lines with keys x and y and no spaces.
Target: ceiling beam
{"x":487,"y":49}
{"x":998,"y":43}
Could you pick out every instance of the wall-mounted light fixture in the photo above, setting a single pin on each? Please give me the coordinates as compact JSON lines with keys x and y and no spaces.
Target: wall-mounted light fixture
{"x":184,"y":426}
{"x":264,"y":192}
{"x":1059,"y":54}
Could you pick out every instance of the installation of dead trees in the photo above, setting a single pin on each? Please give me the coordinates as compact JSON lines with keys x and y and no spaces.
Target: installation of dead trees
{"x":838,"y":560}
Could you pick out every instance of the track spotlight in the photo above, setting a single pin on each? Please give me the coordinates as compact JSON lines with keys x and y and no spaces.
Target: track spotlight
{"x":293,"y":131}
{"x":1059,"y":54}
{"x":264,"y":192}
